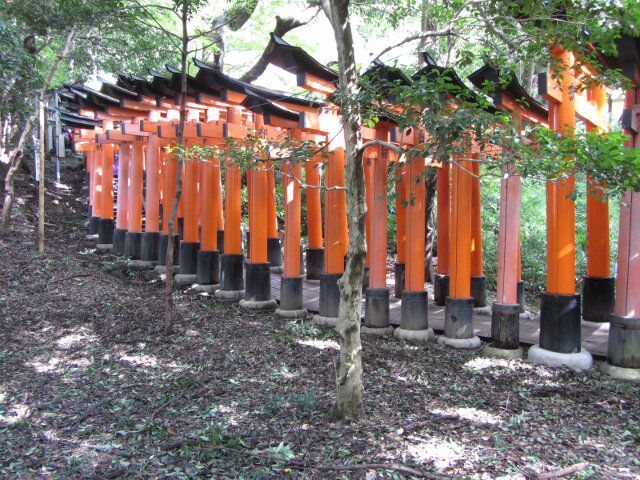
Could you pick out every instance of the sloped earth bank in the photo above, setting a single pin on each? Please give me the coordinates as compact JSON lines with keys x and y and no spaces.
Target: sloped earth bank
{"x":90,"y":389}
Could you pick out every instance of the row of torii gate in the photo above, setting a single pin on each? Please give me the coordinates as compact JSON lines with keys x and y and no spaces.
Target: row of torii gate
{"x":138,"y":117}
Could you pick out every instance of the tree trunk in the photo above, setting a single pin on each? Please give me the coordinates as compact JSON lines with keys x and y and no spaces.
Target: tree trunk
{"x":15,"y":156}
{"x":350,"y":405}
{"x":429,"y":200}
{"x":168,"y":297}
{"x":41,"y":178}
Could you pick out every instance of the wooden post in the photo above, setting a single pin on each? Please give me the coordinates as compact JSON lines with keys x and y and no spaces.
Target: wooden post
{"x":315,"y":252}
{"x":151,"y":235}
{"x":441,"y":281}
{"x":401,"y":174}
{"x":208,"y":269}
{"x":478,"y":280}
{"x":133,"y":237}
{"x":105,"y":229}
{"x":122,"y":211}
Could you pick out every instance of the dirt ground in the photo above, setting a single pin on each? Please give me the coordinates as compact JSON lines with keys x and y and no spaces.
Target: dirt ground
{"x":90,"y":389}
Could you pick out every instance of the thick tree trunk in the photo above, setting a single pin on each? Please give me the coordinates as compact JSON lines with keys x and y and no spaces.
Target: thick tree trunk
{"x":350,"y":405}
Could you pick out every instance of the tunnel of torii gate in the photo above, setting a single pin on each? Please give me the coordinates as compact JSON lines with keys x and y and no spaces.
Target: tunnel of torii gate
{"x":137,"y":117}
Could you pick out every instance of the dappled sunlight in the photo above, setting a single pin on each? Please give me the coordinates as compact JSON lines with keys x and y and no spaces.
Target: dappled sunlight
{"x":323,"y":344}
{"x":476,"y":415}
{"x":141,"y":360}
{"x":49,"y":366}
{"x":16,"y":413}
{"x":74,"y":340}
{"x":441,"y":453}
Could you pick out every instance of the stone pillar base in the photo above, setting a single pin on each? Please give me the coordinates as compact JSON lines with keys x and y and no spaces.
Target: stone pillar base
{"x":299,"y":314}
{"x":376,"y":308}
{"x":229,"y":295}
{"x":414,"y":336}
{"x":621,"y":373}
{"x":322,"y":321}
{"x":461,"y":343}
{"x":184,"y":279}
{"x":377,"y":331}
{"x":507,"y":353}
{"x":258,"y":304}
{"x":576,"y":361}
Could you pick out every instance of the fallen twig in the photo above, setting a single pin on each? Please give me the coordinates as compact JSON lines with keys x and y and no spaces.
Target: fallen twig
{"x":77,"y":275}
{"x":159,"y":409}
{"x":90,"y":411}
{"x":561,"y":472}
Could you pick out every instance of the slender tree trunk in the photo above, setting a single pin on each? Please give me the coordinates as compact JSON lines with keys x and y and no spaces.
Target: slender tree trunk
{"x":350,"y":405}
{"x":429,"y":200}
{"x":15,"y":156}
{"x":41,"y":183}
{"x":168,"y":313}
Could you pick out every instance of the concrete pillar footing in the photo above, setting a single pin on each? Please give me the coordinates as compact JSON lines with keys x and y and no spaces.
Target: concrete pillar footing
{"x":229,"y":295}
{"x":279,"y":269}
{"x":144,"y":264}
{"x":507,"y":353}
{"x":259,"y":304}
{"x":92,"y":236}
{"x":301,"y":313}
{"x":184,"y":279}
{"x":414,"y":336}
{"x":210,"y":288}
{"x":377,"y":331}
{"x":581,"y":360}
{"x":163,"y":268}
{"x":486,"y":310}
{"x":621,"y":373}
{"x":460,"y":343}
{"x":322,"y":321}
{"x":103,"y":247}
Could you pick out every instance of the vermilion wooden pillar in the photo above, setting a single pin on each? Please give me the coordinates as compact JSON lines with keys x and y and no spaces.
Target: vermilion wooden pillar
{"x":190,"y":243}
{"x":208,"y":272}
{"x":458,"y":327}
{"x":274,"y":247}
{"x":478,"y":280}
{"x":441,"y":281}
{"x":168,"y":194}
{"x":258,"y":276}
{"x":401,"y":183}
{"x":105,"y":229}
{"x":291,"y":299}
{"x":414,"y":324}
{"x":151,"y":235}
{"x":232,"y":260}
{"x":560,"y":327}
{"x":376,"y":316}
{"x":335,"y":234}
{"x":122,"y":213}
{"x":368,"y":162}
{"x":94,"y":160}
{"x":315,"y":252}
{"x":624,"y":333}
{"x":133,"y":237}
{"x":598,"y":286}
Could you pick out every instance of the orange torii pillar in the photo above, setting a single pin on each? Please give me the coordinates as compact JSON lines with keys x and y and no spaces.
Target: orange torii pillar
{"x":122,"y":212}
{"x":598,"y":286}
{"x":441,"y":279}
{"x":376,"y":306}
{"x":190,"y":242}
{"x":257,"y":291}
{"x":291,"y":300}
{"x":402,"y":198}
{"x":505,"y":319}
{"x":560,"y":327}
{"x":314,"y":261}
{"x":458,"y":314}
{"x":133,"y":237}
{"x":274,"y":247}
{"x":208,"y":276}
{"x":478,"y":280}
{"x":217,"y":179}
{"x":151,"y":235}
{"x":168,"y":194}
{"x":367,"y":166}
{"x":623,"y":357}
{"x":94,"y":160}
{"x":232,"y":260}
{"x":336,"y":238}
{"x":414,"y":323}
{"x":105,"y":228}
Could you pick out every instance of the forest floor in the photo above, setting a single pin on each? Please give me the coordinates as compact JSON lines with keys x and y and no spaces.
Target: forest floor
{"x":90,"y":389}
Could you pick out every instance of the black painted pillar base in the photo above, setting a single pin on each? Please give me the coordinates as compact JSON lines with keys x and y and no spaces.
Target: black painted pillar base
{"x":181,"y":227}
{"x":94,"y":225}
{"x":479,"y":291}
{"x":314,"y":263}
{"x":414,"y":312}
{"x":89,"y":212}
{"x":133,"y":245}
{"x":440,"y":289}
{"x":274,"y":252}
{"x":189,"y":257}
{"x":398,"y":276}
{"x":162,"y":249}
{"x":105,"y":231}
{"x":560,"y":329}
{"x":376,"y":308}
{"x":365,"y":279}
{"x":624,"y":342}
{"x":520,"y":295}
{"x":149,"y":246}
{"x":232,"y":271}
{"x":247,"y":244}
{"x":119,"y":235}
{"x":220,"y":240}
{"x":598,"y":298}
{"x":291,"y":293}
{"x":329,"y":295}
{"x":505,"y":325}
{"x":458,"y":317}
{"x":258,"y":282}
{"x":208,"y":267}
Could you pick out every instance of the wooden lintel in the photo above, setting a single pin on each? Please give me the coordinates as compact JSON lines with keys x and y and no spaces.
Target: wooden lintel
{"x":368,"y":133}
{"x":124,"y":112}
{"x":275,"y":121}
{"x":169,"y":130}
{"x":84,"y":146}
{"x":133,"y":129}
{"x":210,"y":130}
{"x":316,"y":84}
{"x":212,"y":101}
{"x":115,"y":135}
{"x":507,"y":103}
{"x":112,"y":118}
{"x":150,"y":127}
{"x":231,"y":96}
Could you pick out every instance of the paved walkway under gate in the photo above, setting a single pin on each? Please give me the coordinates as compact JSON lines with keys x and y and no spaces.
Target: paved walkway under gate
{"x":594,"y":335}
